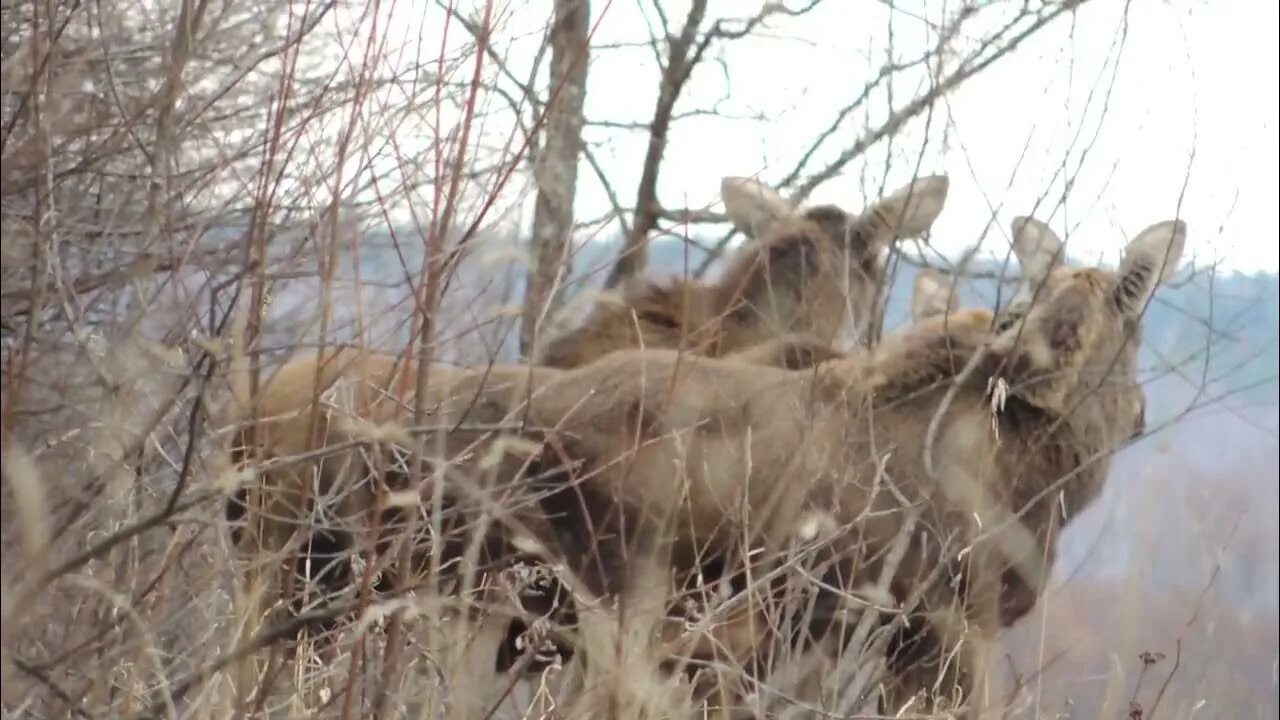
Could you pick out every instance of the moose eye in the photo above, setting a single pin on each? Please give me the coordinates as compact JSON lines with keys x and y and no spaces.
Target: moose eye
{"x":658,"y":319}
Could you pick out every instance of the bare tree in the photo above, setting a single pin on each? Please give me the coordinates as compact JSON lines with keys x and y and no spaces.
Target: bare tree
{"x":556,"y":166}
{"x":193,"y":192}
{"x":950,"y":63}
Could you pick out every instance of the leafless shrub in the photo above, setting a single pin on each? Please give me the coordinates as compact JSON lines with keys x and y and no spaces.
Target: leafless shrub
{"x":192,"y":192}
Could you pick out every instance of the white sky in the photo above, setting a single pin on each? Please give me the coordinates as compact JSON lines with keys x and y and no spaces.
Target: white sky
{"x":1195,"y":92}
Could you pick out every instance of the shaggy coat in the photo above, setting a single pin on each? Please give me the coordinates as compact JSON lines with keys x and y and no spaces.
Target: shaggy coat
{"x":330,"y":429}
{"x":793,"y":272}
{"x":330,"y":402}
{"x":779,"y":304}
{"x":811,"y":272}
{"x":996,"y":438}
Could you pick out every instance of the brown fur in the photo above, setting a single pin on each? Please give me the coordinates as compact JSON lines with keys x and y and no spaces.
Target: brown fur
{"x":793,"y":271}
{"x":305,"y":405}
{"x":353,"y":407}
{"x":915,"y":653}
{"x":381,"y":391}
{"x":317,"y":403}
{"x":735,"y":637}
{"x":790,"y":278}
{"x":686,"y":452}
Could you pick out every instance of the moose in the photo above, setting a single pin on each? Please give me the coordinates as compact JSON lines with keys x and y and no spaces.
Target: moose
{"x":805,"y":272}
{"x":781,"y":302}
{"x":764,"y":460}
{"x":992,"y":430}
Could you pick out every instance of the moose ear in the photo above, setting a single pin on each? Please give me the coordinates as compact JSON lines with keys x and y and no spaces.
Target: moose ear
{"x":1038,"y":249}
{"x":908,"y":212}
{"x":1150,"y":259}
{"x":932,"y":295}
{"x":753,"y":207}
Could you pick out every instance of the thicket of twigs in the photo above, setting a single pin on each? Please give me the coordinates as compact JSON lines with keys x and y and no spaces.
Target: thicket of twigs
{"x":190,"y":185}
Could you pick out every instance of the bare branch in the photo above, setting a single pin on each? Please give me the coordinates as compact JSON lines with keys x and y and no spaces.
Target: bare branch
{"x":632,"y":258}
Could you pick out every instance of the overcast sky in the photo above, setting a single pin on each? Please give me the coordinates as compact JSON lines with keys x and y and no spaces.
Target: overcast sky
{"x":1173,"y":113}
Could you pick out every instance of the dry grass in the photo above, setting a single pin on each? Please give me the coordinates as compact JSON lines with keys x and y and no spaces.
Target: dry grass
{"x":183,"y":188}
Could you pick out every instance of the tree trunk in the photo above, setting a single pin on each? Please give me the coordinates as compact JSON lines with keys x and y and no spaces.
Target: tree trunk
{"x":556,"y":167}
